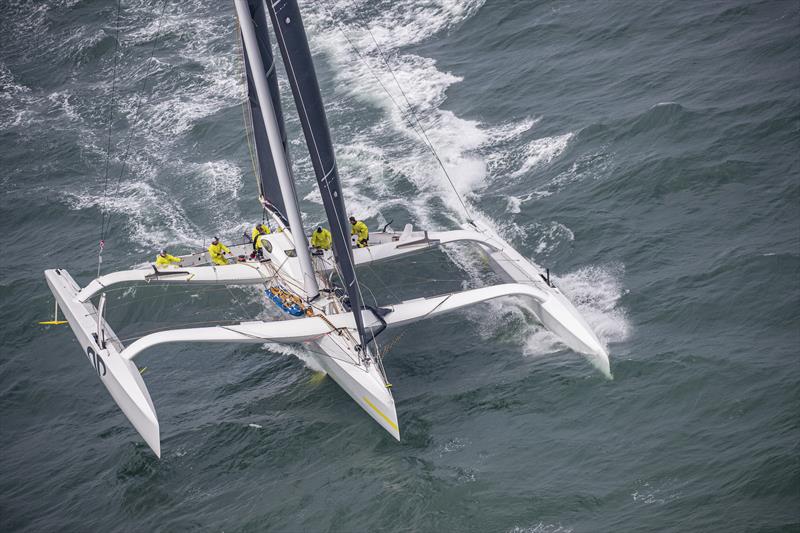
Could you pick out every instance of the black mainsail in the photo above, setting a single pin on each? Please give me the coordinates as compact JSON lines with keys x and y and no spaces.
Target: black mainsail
{"x":291,"y":37}
{"x":268,"y":185}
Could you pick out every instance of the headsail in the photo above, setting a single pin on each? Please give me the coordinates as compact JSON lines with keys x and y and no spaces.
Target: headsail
{"x":291,"y":37}
{"x":268,"y":185}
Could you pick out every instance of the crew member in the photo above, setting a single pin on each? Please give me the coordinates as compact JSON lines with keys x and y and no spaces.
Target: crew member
{"x":360,"y":231}
{"x":321,"y":239}
{"x":257,"y":244}
{"x":258,"y":230}
{"x":217,"y":251}
{"x":163,"y":259}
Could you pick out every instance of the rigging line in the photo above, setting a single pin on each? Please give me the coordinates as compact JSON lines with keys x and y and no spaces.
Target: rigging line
{"x":235,"y":299}
{"x":104,"y":209}
{"x":416,"y":118}
{"x":426,"y":141}
{"x":107,"y":219}
{"x":248,"y":123}
{"x":385,"y":286}
{"x":110,"y":120}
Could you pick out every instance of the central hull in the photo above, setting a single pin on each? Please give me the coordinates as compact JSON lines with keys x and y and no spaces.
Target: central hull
{"x":336,"y":352}
{"x":364,"y":384}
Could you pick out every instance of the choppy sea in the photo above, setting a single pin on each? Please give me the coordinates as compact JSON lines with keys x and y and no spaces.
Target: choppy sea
{"x":646,"y":152}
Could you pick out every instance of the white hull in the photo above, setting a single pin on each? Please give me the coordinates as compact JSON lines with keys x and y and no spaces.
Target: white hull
{"x":365,"y":385}
{"x":329,"y":332}
{"x":119,"y":375}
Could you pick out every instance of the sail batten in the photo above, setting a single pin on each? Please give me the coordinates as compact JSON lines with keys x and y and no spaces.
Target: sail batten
{"x":291,"y":37}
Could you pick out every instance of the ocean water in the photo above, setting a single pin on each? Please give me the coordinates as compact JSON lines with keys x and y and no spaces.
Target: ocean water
{"x":645,"y":152}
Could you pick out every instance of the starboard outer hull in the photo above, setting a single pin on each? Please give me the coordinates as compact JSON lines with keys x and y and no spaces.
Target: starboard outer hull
{"x":556,"y":312}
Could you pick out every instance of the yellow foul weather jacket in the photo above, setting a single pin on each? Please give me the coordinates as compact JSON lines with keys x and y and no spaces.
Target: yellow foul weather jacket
{"x":216,"y":253}
{"x":166,"y":260}
{"x":257,"y":243}
{"x":321,"y":239}
{"x":360,"y":229}
{"x":254,"y":234}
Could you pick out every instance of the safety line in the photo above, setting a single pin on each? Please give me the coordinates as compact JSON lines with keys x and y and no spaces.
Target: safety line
{"x":107,"y":216}
{"x":410,"y":111}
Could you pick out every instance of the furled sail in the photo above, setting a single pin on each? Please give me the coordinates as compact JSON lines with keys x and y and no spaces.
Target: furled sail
{"x":291,"y":37}
{"x":268,"y":185}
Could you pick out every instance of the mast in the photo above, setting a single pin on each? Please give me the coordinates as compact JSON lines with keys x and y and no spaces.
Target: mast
{"x":257,"y":75}
{"x":291,"y":37}
{"x":267,"y":178}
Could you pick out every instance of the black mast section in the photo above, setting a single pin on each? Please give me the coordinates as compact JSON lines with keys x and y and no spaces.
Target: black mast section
{"x":293,"y":43}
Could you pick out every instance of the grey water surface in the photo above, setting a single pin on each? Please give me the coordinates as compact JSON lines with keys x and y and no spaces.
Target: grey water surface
{"x":645,"y":151}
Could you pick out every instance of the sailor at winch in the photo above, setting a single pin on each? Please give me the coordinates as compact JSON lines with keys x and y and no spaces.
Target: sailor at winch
{"x":360,"y":231}
{"x":258,"y":232}
{"x":217,"y":251}
{"x":260,"y":229}
{"x":163,"y":259}
{"x":321,"y":239}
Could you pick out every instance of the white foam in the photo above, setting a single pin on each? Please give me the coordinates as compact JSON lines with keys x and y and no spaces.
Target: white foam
{"x":222,"y":180}
{"x":453,"y":445}
{"x":587,"y":166}
{"x":296,"y":350}
{"x":647,"y":494}
{"x":596,"y":291}
{"x":8,"y":87}
{"x":61,"y":99}
{"x":168,"y":112}
{"x":153,"y":217}
{"x":550,"y":235}
{"x":541,"y":527}
{"x":16,"y":101}
{"x":423,"y":84}
{"x":542,"y":151}
{"x":513,"y":204}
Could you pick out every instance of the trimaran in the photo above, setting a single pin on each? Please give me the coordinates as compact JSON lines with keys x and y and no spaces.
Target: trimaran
{"x":333,"y":318}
